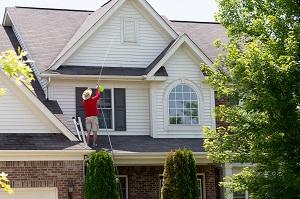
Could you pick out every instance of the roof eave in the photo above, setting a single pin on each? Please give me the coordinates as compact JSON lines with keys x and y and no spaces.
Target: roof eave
{"x":103,"y":77}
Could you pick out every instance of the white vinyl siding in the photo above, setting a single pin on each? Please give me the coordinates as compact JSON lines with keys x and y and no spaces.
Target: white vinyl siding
{"x":105,"y":46}
{"x":137,"y":103}
{"x":182,"y":69}
{"x":16,"y":116}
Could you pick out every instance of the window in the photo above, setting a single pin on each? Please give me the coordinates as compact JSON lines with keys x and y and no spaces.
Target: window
{"x":240,"y":195}
{"x":123,"y":187}
{"x":200,"y":181}
{"x":129,"y":30}
{"x":183,"y":106}
{"x":105,"y":110}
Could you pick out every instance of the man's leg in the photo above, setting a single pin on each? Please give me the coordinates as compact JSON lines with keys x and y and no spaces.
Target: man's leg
{"x":88,"y":137}
{"x":88,"y":126}
{"x":95,"y":138}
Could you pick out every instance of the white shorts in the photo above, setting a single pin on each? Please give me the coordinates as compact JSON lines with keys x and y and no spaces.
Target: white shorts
{"x":91,"y":124}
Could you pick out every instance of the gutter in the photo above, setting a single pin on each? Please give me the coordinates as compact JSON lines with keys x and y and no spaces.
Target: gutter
{"x":106,"y":77}
{"x":43,"y":155}
{"x":151,"y":158}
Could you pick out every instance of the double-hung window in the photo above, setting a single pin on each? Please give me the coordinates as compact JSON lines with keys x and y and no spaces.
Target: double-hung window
{"x":105,"y":107}
{"x":111,"y":106}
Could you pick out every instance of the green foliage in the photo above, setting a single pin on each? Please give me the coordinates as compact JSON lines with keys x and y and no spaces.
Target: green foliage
{"x":101,"y":181}
{"x":4,"y":183}
{"x":180,"y":176}
{"x":15,"y":67}
{"x":259,"y":66}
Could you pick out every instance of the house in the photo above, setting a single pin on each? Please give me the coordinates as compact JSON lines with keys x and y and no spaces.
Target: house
{"x":155,"y":97}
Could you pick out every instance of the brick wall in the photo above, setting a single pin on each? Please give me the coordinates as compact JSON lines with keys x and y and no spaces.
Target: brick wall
{"x":143,"y":181}
{"x":34,"y":174}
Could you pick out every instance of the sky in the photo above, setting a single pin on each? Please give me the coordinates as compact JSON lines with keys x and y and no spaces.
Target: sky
{"x":185,"y":10}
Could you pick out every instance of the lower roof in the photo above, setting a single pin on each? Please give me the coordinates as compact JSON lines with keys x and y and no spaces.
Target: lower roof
{"x":38,"y":141}
{"x":149,"y":144}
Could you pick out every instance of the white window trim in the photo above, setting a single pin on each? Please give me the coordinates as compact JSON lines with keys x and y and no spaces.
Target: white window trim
{"x":204,"y":188}
{"x":198,"y":174}
{"x":126,"y":177}
{"x":182,"y":127}
{"x":123,"y":19}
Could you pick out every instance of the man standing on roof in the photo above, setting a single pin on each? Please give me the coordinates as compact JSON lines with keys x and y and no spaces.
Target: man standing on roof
{"x":89,"y":104}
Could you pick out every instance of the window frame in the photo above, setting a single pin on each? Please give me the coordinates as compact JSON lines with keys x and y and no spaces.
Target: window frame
{"x":126,"y":177}
{"x":123,"y":36}
{"x":182,"y":127}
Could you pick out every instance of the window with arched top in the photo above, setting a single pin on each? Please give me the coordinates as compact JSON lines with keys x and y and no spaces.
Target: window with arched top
{"x":183,"y":106}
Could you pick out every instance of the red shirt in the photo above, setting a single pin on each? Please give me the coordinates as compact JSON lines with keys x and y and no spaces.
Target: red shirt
{"x":90,"y":105}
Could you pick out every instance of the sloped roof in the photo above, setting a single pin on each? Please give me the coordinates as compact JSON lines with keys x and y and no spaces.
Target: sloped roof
{"x":46,"y":31}
{"x":89,"y":22}
{"x":203,"y":34}
{"x":148,"y":144}
{"x":38,"y":141}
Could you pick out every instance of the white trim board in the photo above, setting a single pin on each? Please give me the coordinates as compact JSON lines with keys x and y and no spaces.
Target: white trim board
{"x":26,"y":94}
{"x":63,"y":56}
{"x":43,"y":155}
{"x":179,"y":42}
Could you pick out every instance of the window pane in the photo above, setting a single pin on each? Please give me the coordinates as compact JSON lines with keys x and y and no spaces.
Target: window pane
{"x":179,"y":96}
{"x":186,"y":89}
{"x":172,"y":112}
{"x":172,"y":96}
{"x":172,"y":104}
{"x":179,"y":88}
{"x":187,"y":120}
{"x":179,"y":120}
{"x":172,"y":120}
{"x":239,"y":195}
{"x":194,"y":104}
{"x":187,"y":112}
{"x":186,"y":96}
{"x":179,"y":112}
{"x":107,"y":113}
{"x":179,"y":104}
{"x":194,"y":96}
{"x":195,"y":120}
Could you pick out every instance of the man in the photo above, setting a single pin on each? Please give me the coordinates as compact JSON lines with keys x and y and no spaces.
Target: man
{"x":89,"y":104}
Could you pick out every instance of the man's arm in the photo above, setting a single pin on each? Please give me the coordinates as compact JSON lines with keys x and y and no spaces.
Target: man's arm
{"x":97,"y":96}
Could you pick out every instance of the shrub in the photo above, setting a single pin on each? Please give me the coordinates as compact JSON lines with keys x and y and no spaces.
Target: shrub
{"x":180,"y":176}
{"x":101,"y":180}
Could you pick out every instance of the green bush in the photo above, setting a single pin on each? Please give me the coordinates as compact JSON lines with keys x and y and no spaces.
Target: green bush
{"x":180,"y":176}
{"x":101,"y":180}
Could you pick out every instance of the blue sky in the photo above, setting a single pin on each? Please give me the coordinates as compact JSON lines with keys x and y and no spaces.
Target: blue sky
{"x":192,"y":10}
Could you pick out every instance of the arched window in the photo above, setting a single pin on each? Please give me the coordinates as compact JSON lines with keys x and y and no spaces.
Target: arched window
{"x":183,"y":106}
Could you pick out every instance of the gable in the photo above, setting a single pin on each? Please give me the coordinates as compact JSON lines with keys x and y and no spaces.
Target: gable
{"x":16,"y":116}
{"x":182,"y":64}
{"x":107,"y":46}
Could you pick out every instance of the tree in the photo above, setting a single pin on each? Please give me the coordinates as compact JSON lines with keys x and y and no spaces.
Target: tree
{"x":258,"y":71}
{"x":15,"y":67}
{"x":101,"y":181}
{"x":180,"y":176}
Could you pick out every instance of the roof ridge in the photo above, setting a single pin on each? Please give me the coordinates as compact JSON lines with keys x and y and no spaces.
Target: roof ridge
{"x":58,"y":9}
{"x":202,"y":22}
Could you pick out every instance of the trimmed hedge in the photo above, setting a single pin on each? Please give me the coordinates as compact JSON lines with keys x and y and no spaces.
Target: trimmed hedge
{"x":180,"y":176}
{"x":101,"y":181}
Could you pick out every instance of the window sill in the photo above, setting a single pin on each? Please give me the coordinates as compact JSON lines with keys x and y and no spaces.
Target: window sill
{"x":194,"y":127}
